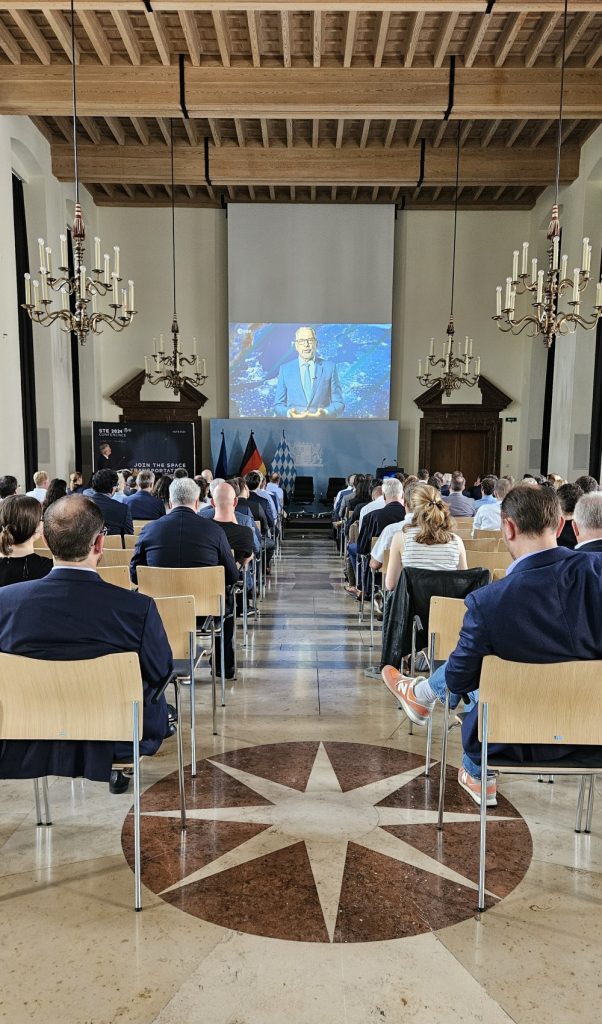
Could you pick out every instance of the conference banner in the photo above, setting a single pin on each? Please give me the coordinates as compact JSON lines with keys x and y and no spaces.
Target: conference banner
{"x":161,"y":447}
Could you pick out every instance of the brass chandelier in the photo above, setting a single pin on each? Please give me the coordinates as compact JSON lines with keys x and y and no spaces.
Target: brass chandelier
{"x":452,"y":371}
{"x":79,"y":292}
{"x":546,"y":287}
{"x":168,"y":366}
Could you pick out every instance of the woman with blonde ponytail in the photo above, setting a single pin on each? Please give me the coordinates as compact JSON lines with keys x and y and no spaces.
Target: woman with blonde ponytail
{"x":20,"y":524}
{"x":428,"y":542}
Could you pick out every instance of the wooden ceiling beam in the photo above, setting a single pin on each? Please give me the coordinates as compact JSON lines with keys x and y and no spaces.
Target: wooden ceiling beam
{"x":9,"y":45}
{"x":290,"y":138}
{"x":301,"y":93}
{"x":416,"y":129}
{"x":315,"y":133}
{"x":91,"y":129}
{"x":285,"y":28}
{"x":349,"y":38}
{"x":65,"y":127}
{"x":141,"y":130}
{"x":541,"y":33}
{"x":164,"y":129}
{"x":217,"y":141}
{"x":97,"y":36}
{"x":317,"y":38}
{"x":475,"y":38}
{"x":62,"y":30}
{"x":439,"y":134}
{"x":240,"y":135}
{"x":415,"y":28}
{"x":128,"y":35}
{"x":253,"y":30}
{"x":192,"y":36}
{"x":222,"y":39}
{"x":191,"y":131}
{"x":579,"y":25}
{"x":594,"y":53}
{"x":33,"y":35}
{"x":43,"y":128}
{"x":349,"y":165}
{"x":339,"y":136}
{"x":116,"y":130}
{"x":159,"y":34}
{"x":265,"y":135}
{"x":463,"y":7}
{"x":465,"y":132}
{"x":513,"y":25}
{"x":365,"y":133}
{"x":489,"y":133}
{"x":448,"y":25}
{"x":384,"y":19}
{"x":539,"y":134}
{"x":517,"y":128}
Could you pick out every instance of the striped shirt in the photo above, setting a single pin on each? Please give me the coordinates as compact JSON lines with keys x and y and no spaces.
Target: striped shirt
{"x":429,"y":556}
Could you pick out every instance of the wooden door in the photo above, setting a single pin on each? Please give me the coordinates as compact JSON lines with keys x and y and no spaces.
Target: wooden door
{"x":460,"y":449}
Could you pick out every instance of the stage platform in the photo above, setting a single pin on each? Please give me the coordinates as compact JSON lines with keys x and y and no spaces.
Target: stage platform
{"x":313,"y":517}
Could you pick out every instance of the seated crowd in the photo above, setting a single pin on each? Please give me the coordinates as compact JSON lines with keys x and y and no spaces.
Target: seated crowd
{"x":60,"y":608}
{"x":547,"y":607}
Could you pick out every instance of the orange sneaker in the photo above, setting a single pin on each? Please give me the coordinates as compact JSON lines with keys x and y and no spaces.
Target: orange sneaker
{"x":403,"y":688}
{"x":472,"y":786}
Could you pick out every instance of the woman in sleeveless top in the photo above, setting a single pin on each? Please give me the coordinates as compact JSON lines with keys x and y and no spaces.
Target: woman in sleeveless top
{"x":428,"y":542}
{"x":20,"y":525}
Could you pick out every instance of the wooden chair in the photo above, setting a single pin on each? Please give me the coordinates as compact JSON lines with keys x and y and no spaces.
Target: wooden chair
{"x":498,"y":574}
{"x":446,"y":615}
{"x":116,"y":556}
{"x":118,"y":575}
{"x":129,"y":540}
{"x":472,"y":544}
{"x":99,"y":699}
{"x":179,"y":620}
{"x":491,"y":560}
{"x":208,"y":588}
{"x":488,"y":534}
{"x":527,"y":704}
{"x":42,"y":550}
{"x":139,"y":525}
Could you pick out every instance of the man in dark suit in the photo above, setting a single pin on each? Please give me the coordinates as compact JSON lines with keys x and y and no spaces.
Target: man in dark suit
{"x":308,"y":385}
{"x":105,"y":458}
{"x":182,"y":539}
{"x":117,"y":516}
{"x":142,"y":503}
{"x":374,"y":522}
{"x":71,"y":615}
{"x":587,"y":523}
{"x":548,"y":608}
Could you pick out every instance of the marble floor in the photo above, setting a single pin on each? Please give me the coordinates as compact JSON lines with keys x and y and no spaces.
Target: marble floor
{"x":312,"y":886}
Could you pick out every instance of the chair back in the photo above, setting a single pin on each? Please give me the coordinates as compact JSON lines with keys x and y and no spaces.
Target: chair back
{"x":385,"y":564}
{"x":69,"y":700}
{"x":42,"y":550}
{"x":488,"y":534}
{"x":462,"y":522}
{"x":488,"y":560}
{"x":179,"y":621}
{"x":116,"y":556}
{"x":480,"y":545}
{"x":118,"y":575}
{"x":551,"y":704}
{"x":446,"y":615}
{"x":139,"y":525}
{"x":115,"y":542}
{"x":498,"y":574}
{"x":354,"y":532}
{"x":206,"y":585}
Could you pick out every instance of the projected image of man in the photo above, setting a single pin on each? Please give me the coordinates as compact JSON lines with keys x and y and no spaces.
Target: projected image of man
{"x":308,"y":385}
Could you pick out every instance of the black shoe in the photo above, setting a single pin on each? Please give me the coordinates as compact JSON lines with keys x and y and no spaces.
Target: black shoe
{"x":119,"y":782}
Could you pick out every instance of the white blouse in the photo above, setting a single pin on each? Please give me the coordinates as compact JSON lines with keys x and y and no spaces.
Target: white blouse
{"x":429,"y":556}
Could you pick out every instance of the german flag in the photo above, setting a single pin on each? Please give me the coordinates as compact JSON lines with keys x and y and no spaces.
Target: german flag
{"x":252,"y":459}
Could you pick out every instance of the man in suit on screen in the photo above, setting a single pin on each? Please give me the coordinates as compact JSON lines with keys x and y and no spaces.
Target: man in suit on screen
{"x":309,"y":385}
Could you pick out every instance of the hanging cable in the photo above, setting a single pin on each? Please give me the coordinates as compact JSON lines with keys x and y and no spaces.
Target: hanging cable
{"x":453,"y":280}
{"x":559,"y":143}
{"x":173,"y":217}
{"x":74,"y":94}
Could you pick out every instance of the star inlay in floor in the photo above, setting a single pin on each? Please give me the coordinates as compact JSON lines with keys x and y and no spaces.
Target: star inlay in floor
{"x":324,"y":842}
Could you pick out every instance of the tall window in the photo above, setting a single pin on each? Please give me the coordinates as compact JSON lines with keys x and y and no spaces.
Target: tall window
{"x":26,"y":353}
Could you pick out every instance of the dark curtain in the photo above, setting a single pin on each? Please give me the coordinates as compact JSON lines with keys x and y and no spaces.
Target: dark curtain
{"x":595,"y":448}
{"x":77,"y":417}
{"x":26,"y":355}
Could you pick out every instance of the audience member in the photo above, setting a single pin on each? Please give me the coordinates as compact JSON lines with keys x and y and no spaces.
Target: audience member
{"x":459,"y":505}
{"x":488,"y":516}
{"x":423,"y":475}
{"x":56,"y":489}
{"x":262,"y":492}
{"x":240,"y":538}
{"x":41,"y":481}
{"x":487,"y":488}
{"x":254,"y":481}
{"x":20,"y":526}
{"x":555,"y":480}
{"x":377,"y":501}
{"x":243,"y":518}
{"x":546,"y":609}
{"x":117,"y":517}
{"x":375,"y":522}
{"x":568,"y":495}
{"x":207,"y":475}
{"x":183,"y":539}
{"x":385,"y":539}
{"x":161,"y":489}
{"x":123,"y":491}
{"x":588,"y":484}
{"x":180,"y":473}
{"x":428,"y":542}
{"x":8,"y":486}
{"x":73,"y":614}
{"x":434,"y":481}
{"x":446,"y":485}
{"x":348,"y":489}
{"x":274,"y":488}
{"x":203,"y":486}
{"x":76,"y":483}
{"x":587,"y":523}
{"x":143,"y":504}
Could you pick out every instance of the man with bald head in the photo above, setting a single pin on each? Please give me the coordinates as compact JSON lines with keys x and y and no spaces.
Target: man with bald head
{"x":73,"y":615}
{"x":240,"y":538}
{"x":308,"y":384}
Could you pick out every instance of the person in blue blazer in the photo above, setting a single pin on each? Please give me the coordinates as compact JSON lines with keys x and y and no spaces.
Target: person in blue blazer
{"x":308,"y":385}
{"x":142,"y":503}
{"x":117,"y":517}
{"x":72,"y":615}
{"x":548,"y":608}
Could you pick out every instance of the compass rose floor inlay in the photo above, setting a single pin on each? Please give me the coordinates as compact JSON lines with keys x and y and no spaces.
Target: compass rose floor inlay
{"x":324,"y":842}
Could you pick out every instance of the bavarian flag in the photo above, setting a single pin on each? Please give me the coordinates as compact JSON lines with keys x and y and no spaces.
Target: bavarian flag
{"x":252,"y":459}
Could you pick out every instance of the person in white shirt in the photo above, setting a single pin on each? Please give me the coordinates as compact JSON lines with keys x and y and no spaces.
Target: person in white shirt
{"x":429,"y":542}
{"x":385,"y":540}
{"x":41,"y":481}
{"x":274,"y":488}
{"x":489,"y":516}
{"x":378,"y":501}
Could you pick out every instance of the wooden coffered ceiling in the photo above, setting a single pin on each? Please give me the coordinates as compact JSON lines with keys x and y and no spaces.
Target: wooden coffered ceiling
{"x":307,"y":101}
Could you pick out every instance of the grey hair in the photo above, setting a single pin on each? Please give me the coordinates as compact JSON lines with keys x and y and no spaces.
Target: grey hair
{"x":217,"y":480}
{"x":183,"y":491}
{"x":145,"y":478}
{"x":392,"y":487}
{"x":588,"y":511}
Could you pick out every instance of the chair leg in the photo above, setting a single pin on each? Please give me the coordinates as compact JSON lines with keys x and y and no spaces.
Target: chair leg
{"x":223,"y":654}
{"x":443,"y":762}
{"x":245,"y":610}
{"x":429,"y":727}
{"x":47,"y":814}
{"x":483,"y":808}
{"x":136,"y":745}
{"x":36,"y":794}
{"x":213,"y":680}
{"x":580,"y":800}
{"x":192,"y":644}
{"x":372,"y":585}
{"x":590,"y":805}
{"x":180,"y":742}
